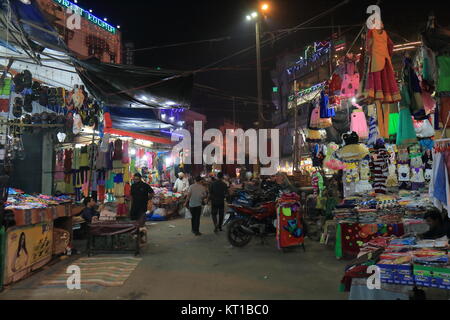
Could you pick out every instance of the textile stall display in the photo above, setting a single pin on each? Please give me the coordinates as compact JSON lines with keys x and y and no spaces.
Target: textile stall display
{"x":404,"y":263}
{"x":35,"y":237}
{"x":360,"y":219}
{"x":165,"y":204}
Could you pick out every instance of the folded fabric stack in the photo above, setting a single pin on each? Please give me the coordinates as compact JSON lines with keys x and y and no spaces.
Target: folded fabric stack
{"x":432,"y":257}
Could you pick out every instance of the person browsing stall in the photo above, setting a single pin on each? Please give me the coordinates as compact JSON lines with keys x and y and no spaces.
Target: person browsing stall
{"x":141,"y":193}
{"x":195,"y":197}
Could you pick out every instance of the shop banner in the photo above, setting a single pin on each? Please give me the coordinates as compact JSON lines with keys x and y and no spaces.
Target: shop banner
{"x":27,"y":248}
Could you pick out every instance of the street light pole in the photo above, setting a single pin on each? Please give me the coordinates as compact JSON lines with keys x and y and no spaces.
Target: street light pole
{"x":259,"y":80}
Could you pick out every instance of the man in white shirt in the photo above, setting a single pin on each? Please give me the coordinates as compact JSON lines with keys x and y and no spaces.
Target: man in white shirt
{"x":181,"y":184}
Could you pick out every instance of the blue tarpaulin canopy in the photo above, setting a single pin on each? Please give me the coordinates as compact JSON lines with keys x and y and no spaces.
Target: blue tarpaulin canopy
{"x":136,"y":120}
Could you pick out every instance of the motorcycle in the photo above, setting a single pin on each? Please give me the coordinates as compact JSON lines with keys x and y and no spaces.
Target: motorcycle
{"x":250,"y":222}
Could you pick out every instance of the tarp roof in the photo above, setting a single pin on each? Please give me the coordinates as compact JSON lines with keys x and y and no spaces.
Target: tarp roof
{"x":131,"y":86}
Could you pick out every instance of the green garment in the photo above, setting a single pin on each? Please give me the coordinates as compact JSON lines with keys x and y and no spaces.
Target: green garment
{"x":338,"y":246}
{"x":5,"y":90}
{"x":443,"y":65}
{"x":393,"y":123}
{"x":406,"y":134}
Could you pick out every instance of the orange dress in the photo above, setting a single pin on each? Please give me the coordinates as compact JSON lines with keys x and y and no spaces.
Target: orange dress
{"x":381,"y":83}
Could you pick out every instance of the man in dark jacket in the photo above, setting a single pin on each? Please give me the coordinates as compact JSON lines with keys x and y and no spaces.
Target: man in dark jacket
{"x":218,"y":190}
{"x":141,"y":193}
{"x":89,"y":213}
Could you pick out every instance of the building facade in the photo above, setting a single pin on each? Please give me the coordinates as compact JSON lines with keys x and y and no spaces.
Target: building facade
{"x":84,"y":33}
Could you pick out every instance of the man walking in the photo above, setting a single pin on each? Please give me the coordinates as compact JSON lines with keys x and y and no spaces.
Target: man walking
{"x":217,"y":193}
{"x":195,"y":197}
{"x":141,"y":193}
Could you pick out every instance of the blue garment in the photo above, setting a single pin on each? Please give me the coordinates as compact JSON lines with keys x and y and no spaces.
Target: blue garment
{"x":440,"y":184}
{"x":427,"y":144}
{"x":88,"y":213}
{"x":325,"y":111}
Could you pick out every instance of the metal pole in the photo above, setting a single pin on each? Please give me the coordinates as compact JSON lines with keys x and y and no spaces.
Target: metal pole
{"x":259,"y":80}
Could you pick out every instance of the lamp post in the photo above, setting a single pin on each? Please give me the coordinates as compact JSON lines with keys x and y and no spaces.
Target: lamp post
{"x":257,"y":18}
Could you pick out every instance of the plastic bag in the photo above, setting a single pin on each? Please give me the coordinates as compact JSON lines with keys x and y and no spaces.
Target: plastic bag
{"x":186,"y":213}
{"x":206,"y":211}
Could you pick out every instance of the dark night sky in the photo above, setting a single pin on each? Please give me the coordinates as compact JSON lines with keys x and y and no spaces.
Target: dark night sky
{"x":155,"y":23}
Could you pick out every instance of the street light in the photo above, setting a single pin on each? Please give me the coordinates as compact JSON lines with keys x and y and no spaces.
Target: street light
{"x":257,"y":18}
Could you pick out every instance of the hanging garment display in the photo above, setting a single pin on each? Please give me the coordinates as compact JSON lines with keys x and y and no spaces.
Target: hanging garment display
{"x":380,"y":167}
{"x":393,"y":120}
{"x":406,"y":133}
{"x":325,"y":110}
{"x":363,"y":186}
{"x":411,"y":86}
{"x":443,"y":66}
{"x":383,"y":119}
{"x":350,"y":83}
{"x":381,"y":84}
{"x":373,"y":126}
{"x":359,"y":123}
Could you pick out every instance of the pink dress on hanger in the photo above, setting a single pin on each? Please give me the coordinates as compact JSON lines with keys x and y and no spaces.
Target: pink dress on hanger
{"x":350,"y":83}
{"x":359,"y":123}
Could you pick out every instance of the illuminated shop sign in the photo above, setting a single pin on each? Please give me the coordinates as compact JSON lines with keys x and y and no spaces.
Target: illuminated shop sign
{"x":87,"y":15}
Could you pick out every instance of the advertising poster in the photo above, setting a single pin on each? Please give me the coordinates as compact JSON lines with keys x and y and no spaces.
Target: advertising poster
{"x":26,"y":248}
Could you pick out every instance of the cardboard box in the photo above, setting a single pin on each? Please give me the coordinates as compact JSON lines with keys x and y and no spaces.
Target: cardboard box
{"x":433,"y":277}
{"x":396,"y":274}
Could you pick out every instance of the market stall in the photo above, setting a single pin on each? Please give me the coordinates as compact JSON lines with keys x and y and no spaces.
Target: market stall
{"x":43,"y":229}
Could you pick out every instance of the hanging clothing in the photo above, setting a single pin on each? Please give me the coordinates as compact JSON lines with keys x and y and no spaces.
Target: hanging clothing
{"x":383,"y":119}
{"x":381,"y":83}
{"x":412,"y":87}
{"x":314,"y":122}
{"x":350,"y":83}
{"x":325,"y":110}
{"x":84,"y":157}
{"x":59,"y":166}
{"x":359,"y":123}
{"x":443,"y":81}
{"x":380,"y":169}
{"x":393,"y":120}
{"x":406,"y":133}
{"x":125,"y":155}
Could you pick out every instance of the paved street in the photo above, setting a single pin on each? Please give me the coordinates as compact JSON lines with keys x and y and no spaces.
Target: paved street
{"x":178,"y":265}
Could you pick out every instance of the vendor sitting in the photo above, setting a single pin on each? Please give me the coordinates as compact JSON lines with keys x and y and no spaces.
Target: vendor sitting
{"x":438,"y":227}
{"x":89,"y":213}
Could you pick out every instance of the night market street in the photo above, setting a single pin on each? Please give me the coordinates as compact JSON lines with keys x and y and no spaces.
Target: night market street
{"x":177,"y":265}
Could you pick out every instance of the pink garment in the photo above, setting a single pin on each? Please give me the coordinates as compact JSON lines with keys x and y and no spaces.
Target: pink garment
{"x":359,"y":124}
{"x":315,"y":118}
{"x":350,"y":85}
{"x":149,"y":160}
{"x":350,"y":82}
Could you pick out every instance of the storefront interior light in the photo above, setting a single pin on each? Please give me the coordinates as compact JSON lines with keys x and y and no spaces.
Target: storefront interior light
{"x":163,"y":116}
{"x":172,"y":118}
{"x":133,"y":151}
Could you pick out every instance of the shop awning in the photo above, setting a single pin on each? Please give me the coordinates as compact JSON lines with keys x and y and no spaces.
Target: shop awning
{"x":135,"y":123}
{"x":138,"y":87}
